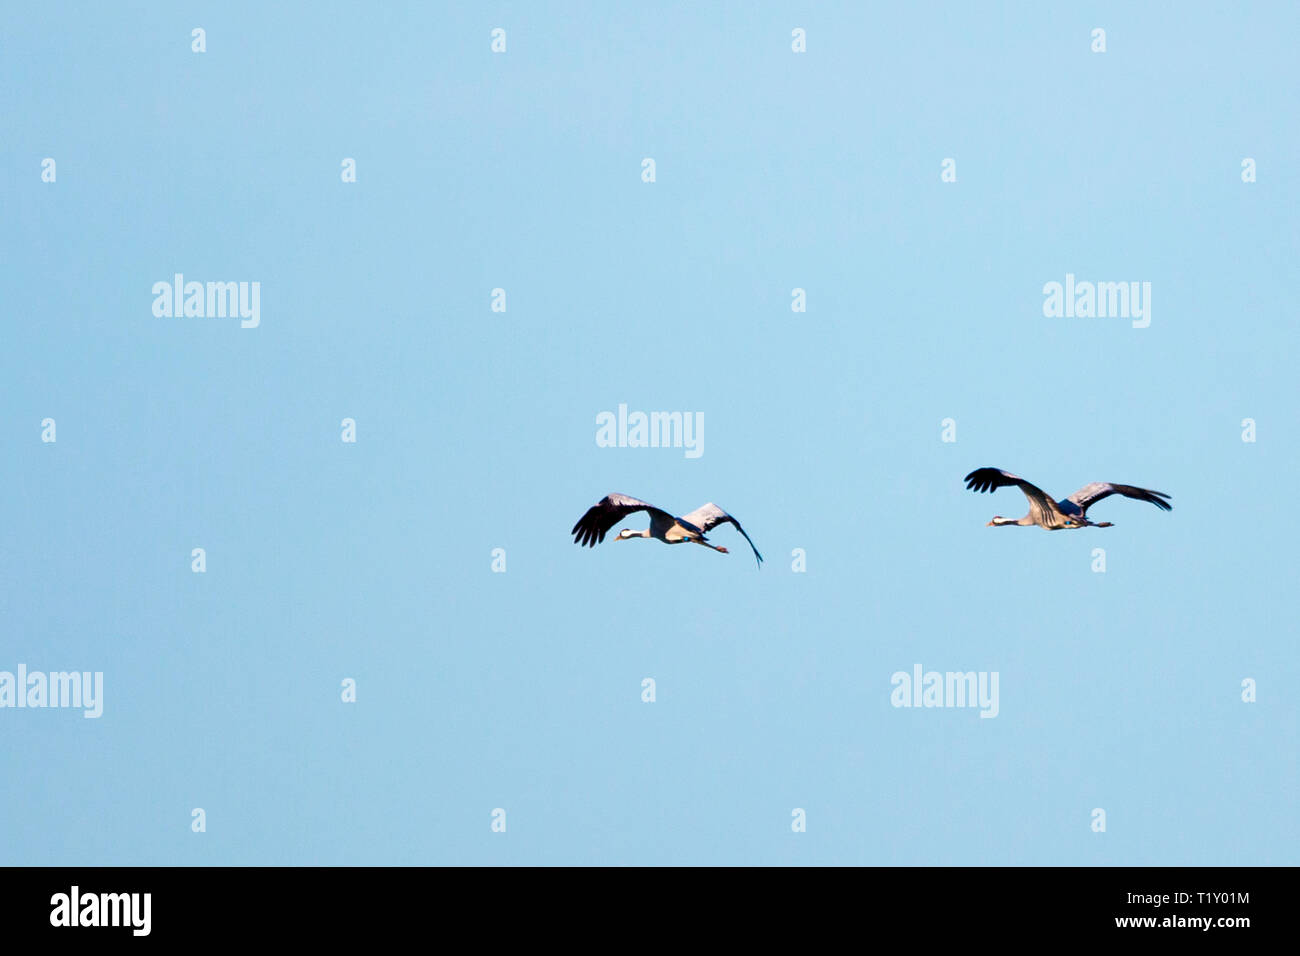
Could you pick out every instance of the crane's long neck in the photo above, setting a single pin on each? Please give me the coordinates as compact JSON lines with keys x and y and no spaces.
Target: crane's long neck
{"x":1024,"y":522}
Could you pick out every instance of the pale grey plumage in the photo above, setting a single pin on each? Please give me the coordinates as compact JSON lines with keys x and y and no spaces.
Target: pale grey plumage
{"x":1090,"y":494}
{"x":707,"y":517}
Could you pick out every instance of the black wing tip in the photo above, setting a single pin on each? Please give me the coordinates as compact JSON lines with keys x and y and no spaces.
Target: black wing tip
{"x":584,"y":535}
{"x":744,"y":534}
{"x":1158,"y":498}
{"x":1146,"y":494}
{"x":981,"y":479}
{"x":587,"y":527}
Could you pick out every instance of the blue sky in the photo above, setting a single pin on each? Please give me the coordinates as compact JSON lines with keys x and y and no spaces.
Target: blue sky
{"x":476,"y":430}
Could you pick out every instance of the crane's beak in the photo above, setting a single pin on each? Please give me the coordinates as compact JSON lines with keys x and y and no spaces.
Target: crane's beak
{"x":989,"y":525}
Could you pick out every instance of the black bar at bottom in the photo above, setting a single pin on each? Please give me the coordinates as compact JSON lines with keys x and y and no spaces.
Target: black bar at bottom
{"x":334,"y":904}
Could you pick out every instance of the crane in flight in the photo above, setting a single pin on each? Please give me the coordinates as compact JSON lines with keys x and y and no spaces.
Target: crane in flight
{"x":1071,"y":512}
{"x":613,"y":508}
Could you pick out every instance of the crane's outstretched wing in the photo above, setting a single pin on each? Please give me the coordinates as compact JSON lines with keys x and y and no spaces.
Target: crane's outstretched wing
{"x":707,"y":517}
{"x":1089,"y":495}
{"x":609,"y":511}
{"x":990,"y":479}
